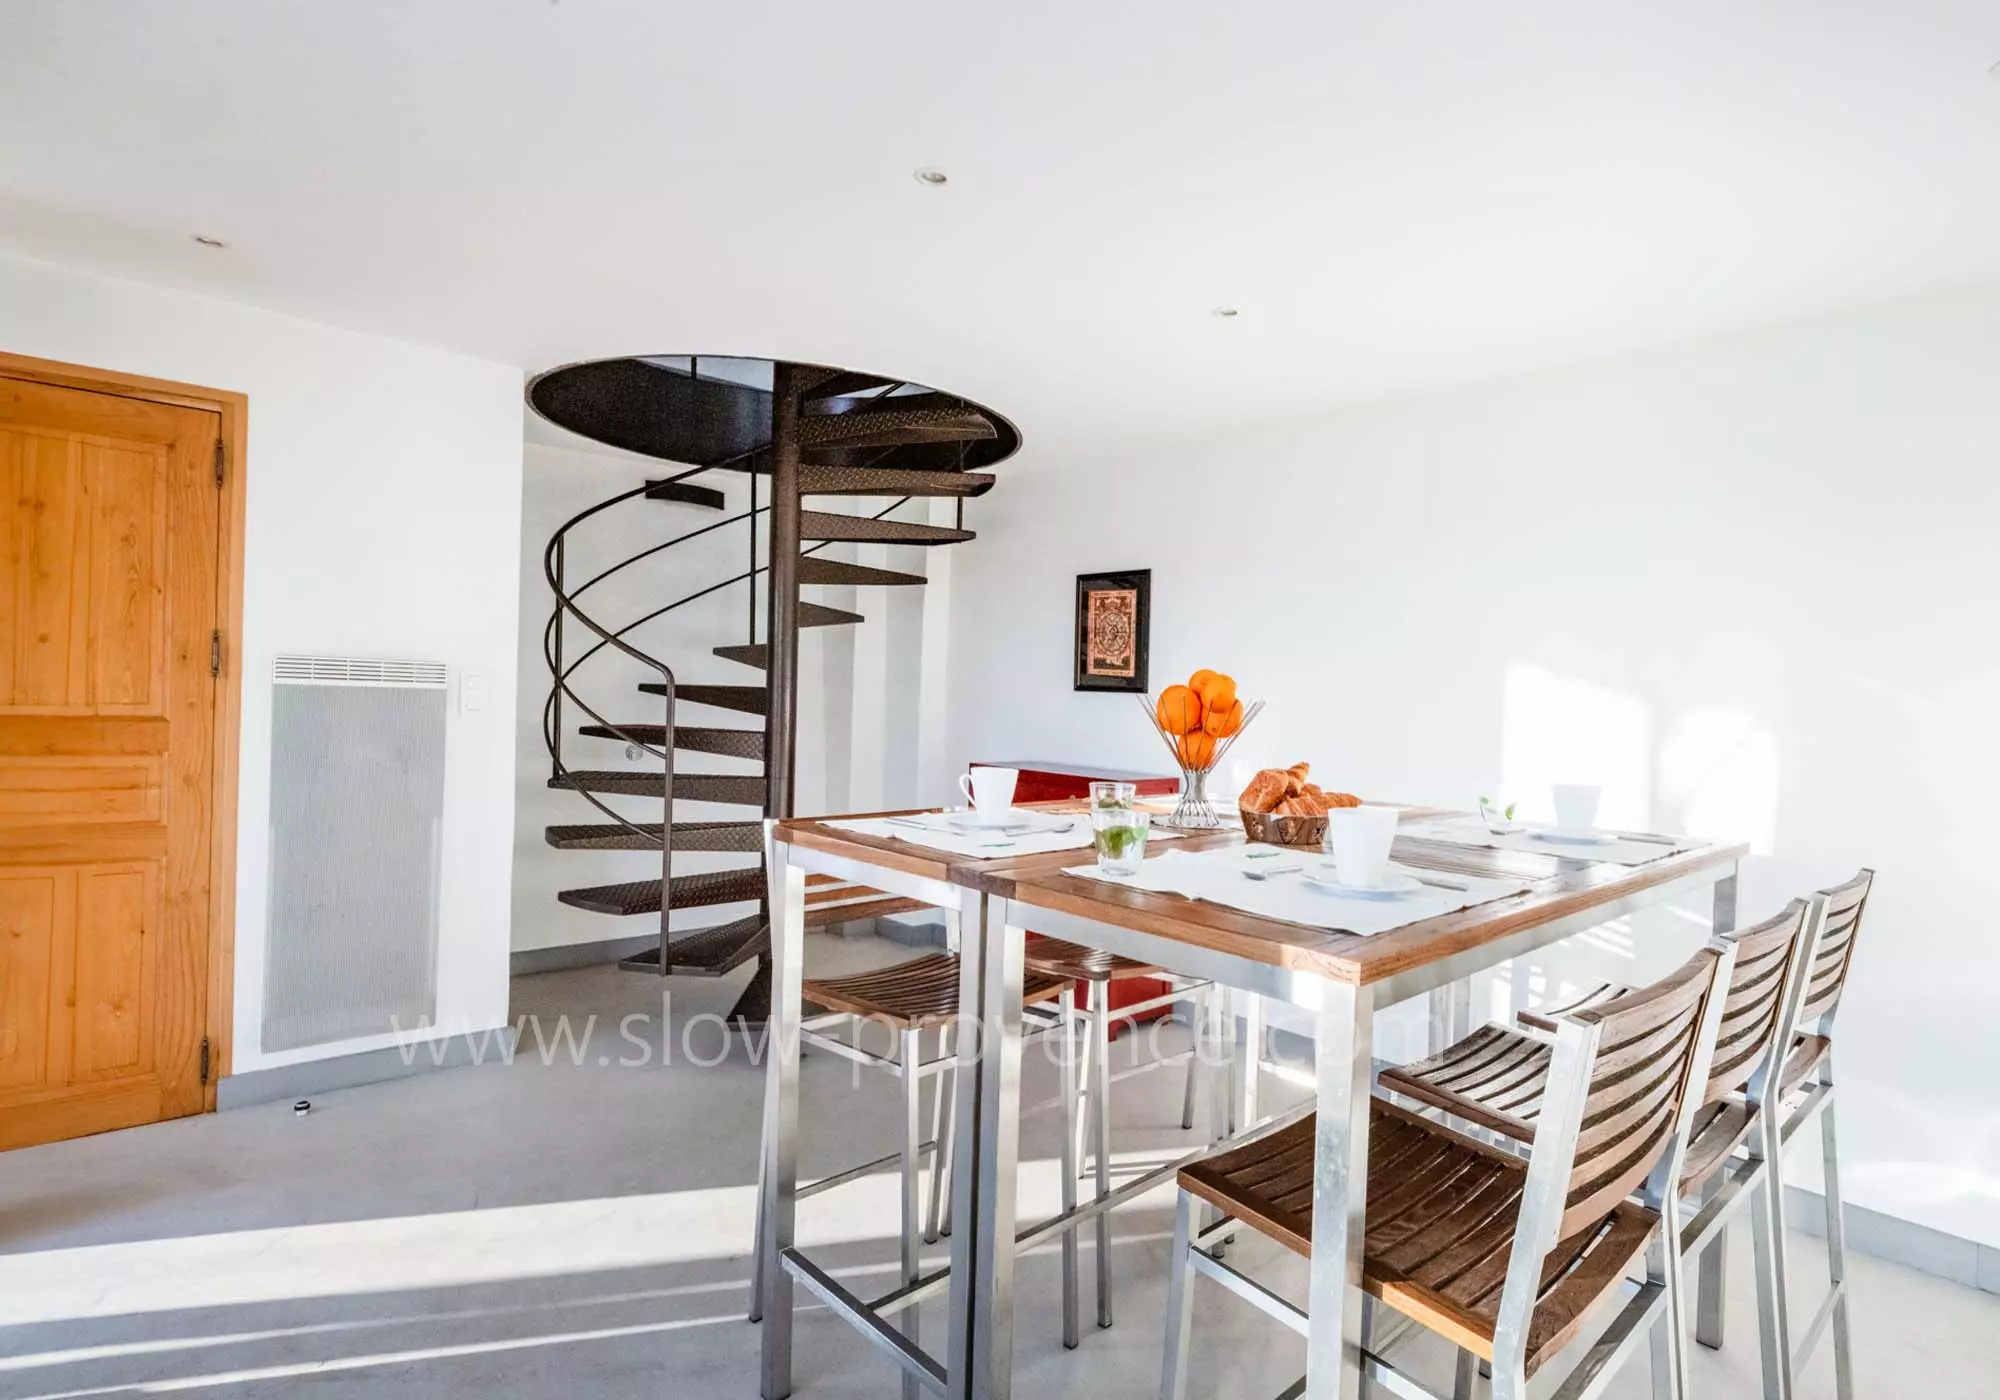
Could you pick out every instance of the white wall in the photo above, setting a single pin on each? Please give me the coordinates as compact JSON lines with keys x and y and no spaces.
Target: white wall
{"x":860,"y":687}
{"x":1747,"y":583}
{"x":384,"y":486}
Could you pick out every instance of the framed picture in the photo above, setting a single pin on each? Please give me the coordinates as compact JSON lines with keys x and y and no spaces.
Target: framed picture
{"x":1114,"y":618}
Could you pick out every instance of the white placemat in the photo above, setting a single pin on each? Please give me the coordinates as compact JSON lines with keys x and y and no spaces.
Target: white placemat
{"x":1218,"y":877}
{"x":1471,"y":831}
{"x":1069,"y":831}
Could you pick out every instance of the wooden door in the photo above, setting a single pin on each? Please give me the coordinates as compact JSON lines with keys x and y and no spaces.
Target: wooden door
{"x":108,"y":603}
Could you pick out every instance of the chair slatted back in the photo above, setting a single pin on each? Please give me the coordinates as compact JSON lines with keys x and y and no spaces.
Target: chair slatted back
{"x":1765,"y":954}
{"x":1835,"y":954}
{"x":1647,"y":1047}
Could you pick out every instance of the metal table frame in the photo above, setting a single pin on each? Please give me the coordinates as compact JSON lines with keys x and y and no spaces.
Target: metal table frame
{"x":991,"y":935}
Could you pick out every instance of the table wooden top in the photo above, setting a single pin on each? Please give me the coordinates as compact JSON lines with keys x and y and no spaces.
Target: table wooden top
{"x":1559,"y":887}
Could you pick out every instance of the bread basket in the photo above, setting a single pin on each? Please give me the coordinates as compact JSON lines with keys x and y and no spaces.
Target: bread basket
{"x":1284,"y":828}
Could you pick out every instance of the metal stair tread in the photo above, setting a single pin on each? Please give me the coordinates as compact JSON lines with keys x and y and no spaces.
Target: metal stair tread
{"x":837,"y":573}
{"x":862,"y":529}
{"x":744,"y":699}
{"x":820,"y":615}
{"x":706,"y":952}
{"x":689,"y":892}
{"x":686,"y":493}
{"x":749,"y":653}
{"x":893,"y":423}
{"x":745,"y":789}
{"x":878,"y":481}
{"x":688,"y":836}
{"x":732,"y":743}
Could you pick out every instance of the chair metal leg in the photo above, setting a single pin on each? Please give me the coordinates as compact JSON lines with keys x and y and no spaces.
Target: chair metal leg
{"x":1710,"y":1285}
{"x":1773,"y":1340}
{"x":1836,"y":1256}
{"x":1669,"y":1338}
{"x":1180,"y":1304}
{"x":1066,"y":1008}
{"x":941,"y":1091}
{"x":913,"y":1194}
{"x":1100,"y":1104}
{"x":757,"y":1247}
{"x":1250,"y":1073}
{"x":1197,"y":1024}
{"x":1465,"y":1375}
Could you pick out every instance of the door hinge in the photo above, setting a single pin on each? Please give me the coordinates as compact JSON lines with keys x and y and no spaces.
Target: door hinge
{"x":215,"y":653}
{"x":204,"y":1059}
{"x":218,"y":461}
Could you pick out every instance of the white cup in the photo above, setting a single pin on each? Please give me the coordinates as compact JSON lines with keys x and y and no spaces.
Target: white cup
{"x":1576,"y":806}
{"x":1361,"y":838}
{"x":990,"y":791}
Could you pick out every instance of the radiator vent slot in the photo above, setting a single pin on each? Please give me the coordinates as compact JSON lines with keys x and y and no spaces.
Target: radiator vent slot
{"x":357,"y":670}
{"x":357,"y":811}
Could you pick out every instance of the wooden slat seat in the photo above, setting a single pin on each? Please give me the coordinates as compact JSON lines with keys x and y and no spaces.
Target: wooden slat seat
{"x":1494,"y":1077}
{"x":1075,"y":963}
{"x":1442,"y":1211}
{"x":912,"y":995}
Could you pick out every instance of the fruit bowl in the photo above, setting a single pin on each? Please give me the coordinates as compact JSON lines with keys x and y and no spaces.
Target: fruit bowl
{"x":1197,"y":746}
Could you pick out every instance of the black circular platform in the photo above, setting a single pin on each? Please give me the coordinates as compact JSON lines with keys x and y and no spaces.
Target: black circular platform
{"x":716,"y":410}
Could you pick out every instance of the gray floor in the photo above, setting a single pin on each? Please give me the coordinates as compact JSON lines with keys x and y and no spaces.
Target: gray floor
{"x":578,"y":1229}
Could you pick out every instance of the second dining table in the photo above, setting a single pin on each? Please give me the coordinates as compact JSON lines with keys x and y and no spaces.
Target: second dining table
{"x":1340,"y":980}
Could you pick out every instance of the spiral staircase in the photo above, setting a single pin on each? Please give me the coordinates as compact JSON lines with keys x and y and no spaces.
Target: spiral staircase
{"x":798,"y":431}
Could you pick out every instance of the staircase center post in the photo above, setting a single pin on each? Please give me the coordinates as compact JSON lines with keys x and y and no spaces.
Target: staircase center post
{"x":781,"y":616}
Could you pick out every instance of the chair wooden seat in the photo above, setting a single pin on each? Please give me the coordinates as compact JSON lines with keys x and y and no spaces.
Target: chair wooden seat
{"x":1442,"y":1211}
{"x":1494,"y":1077}
{"x":913,"y":995}
{"x":1807,"y":1053}
{"x":1076,"y":963}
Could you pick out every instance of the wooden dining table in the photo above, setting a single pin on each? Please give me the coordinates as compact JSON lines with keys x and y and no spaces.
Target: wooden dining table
{"x":1338,"y":979}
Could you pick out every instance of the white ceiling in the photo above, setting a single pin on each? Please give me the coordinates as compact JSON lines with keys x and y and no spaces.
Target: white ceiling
{"x":1393,"y":195}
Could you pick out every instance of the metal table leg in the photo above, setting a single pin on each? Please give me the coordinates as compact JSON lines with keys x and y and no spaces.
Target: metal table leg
{"x":781,"y":1116}
{"x":1345,"y":1036}
{"x":988,"y":1107}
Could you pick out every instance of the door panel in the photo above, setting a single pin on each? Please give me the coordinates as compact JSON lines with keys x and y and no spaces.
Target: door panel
{"x":27,"y":959}
{"x":108,"y":599}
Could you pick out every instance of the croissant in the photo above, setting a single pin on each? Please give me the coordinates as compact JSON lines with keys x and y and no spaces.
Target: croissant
{"x":1264,"y":792}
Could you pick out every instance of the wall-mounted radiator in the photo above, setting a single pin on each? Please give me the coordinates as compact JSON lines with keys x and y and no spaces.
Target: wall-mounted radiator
{"x":357,"y":811}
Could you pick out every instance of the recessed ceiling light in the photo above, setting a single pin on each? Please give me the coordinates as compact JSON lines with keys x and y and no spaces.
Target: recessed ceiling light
{"x":926,"y":175}
{"x":1227,"y":313}
{"x":208,"y":242}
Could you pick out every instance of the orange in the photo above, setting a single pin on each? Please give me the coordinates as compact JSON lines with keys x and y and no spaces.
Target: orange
{"x":1179,"y":710}
{"x":1195,"y":750}
{"x":1217,"y":691}
{"x":1221,"y":721}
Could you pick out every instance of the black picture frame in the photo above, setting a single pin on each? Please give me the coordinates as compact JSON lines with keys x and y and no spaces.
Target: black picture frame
{"x":1092,"y":672}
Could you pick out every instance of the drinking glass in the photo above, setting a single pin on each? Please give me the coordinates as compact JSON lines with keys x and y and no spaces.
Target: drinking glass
{"x":1120,"y":827}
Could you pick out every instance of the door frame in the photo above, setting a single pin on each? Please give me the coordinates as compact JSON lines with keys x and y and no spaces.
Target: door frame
{"x":234,"y":410}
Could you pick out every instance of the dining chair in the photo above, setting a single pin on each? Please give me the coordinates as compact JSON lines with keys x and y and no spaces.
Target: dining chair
{"x":1087,"y":1083}
{"x":1503,"y":1256}
{"x":1497,"y":1079}
{"x":907,"y":999}
{"x":1806,"y":1083}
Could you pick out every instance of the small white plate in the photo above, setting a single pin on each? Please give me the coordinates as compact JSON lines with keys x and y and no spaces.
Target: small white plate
{"x":979,"y":822}
{"x":1394,"y":887}
{"x":1576,"y":838}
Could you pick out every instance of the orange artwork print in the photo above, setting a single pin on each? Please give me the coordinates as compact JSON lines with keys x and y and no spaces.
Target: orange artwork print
{"x":1111,"y":633}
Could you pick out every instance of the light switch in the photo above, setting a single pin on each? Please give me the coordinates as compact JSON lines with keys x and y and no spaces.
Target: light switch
{"x":471,"y":691}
